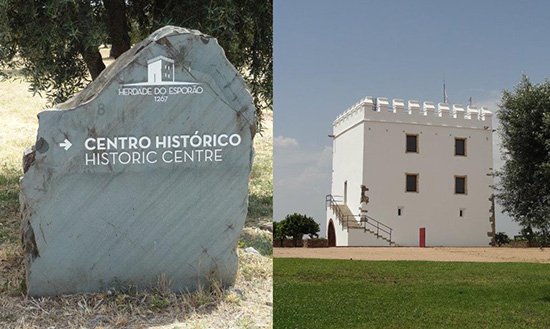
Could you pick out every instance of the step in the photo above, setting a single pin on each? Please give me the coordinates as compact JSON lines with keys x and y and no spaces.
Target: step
{"x":353,"y":224}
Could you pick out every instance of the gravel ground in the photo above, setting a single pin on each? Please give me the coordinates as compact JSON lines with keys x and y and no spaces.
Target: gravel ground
{"x":446,"y":254}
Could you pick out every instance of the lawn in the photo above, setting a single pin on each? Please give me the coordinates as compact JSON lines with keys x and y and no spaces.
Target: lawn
{"x":317,"y":293}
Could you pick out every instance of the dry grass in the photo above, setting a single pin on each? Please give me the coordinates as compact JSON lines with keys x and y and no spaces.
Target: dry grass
{"x":18,"y":121}
{"x":260,"y":209}
{"x":248,"y":304}
{"x":18,"y":125}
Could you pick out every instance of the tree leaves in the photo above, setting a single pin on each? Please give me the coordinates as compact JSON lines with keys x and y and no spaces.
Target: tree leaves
{"x":524,"y":189}
{"x":296,"y":225}
{"x":46,"y":38}
{"x":56,"y":42}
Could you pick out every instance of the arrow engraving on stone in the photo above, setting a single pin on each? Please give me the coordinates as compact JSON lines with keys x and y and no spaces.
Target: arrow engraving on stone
{"x":66,"y":144}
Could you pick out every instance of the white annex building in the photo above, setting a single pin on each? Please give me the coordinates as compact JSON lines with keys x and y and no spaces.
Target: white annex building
{"x":411,"y":174}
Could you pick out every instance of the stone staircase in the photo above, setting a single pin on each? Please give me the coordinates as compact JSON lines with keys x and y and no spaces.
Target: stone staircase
{"x":350,"y":221}
{"x":387,"y":239}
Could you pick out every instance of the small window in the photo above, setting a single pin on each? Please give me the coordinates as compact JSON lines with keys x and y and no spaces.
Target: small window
{"x":412,"y":144}
{"x":399,"y":211}
{"x":460,"y":146}
{"x":461,"y":212}
{"x":460,"y":184}
{"x":412,"y":183}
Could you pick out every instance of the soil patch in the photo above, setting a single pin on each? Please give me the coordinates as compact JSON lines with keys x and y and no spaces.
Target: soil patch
{"x":445,"y":254}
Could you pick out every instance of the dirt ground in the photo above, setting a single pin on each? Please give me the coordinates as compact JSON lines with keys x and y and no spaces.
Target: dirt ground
{"x":445,"y":254}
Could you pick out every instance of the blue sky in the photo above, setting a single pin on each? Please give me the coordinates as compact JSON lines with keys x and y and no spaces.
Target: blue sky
{"x":328,"y":55}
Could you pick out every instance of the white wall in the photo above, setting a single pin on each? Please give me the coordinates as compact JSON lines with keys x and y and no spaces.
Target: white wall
{"x":435,"y":206}
{"x":341,"y":234}
{"x":360,"y":238}
{"x":154,"y":72}
{"x":347,"y":158}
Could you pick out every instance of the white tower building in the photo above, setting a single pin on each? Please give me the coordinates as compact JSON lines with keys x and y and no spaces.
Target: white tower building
{"x":160,"y":69}
{"x":409,"y":174}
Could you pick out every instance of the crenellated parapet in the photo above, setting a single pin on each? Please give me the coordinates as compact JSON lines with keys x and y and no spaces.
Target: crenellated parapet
{"x":413,"y":112}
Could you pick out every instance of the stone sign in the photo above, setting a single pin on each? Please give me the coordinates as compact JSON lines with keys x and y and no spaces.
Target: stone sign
{"x":142,"y":175}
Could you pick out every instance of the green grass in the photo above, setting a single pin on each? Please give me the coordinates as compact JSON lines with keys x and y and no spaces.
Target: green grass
{"x":314,"y":293}
{"x":9,"y":204}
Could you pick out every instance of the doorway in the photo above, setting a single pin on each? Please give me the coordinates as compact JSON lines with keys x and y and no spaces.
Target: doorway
{"x":331,"y":234}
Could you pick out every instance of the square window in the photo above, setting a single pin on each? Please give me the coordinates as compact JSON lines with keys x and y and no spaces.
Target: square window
{"x":460,"y":146}
{"x":460,"y":184}
{"x":411,"y":183}
{"x":412,"y":144}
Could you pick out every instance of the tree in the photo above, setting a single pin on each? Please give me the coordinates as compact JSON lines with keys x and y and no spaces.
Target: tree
{"x":56,"y":42}
{"x":279,"y":231}
{"x":296,"y":225}
{"x":524,"y":188}
{"x":501,"y":239}
{"x":527,"y":234}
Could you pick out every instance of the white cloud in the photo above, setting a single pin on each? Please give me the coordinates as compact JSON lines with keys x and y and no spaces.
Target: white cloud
{"x":301,"y":165}
{"x":281,"y":141}
{"x":302,"y":177}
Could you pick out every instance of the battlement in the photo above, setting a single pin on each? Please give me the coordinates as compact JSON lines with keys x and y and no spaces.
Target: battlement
{"x":414,"y":112}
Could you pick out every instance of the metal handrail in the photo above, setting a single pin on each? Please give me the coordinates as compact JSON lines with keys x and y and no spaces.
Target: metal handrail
{"x":345,"y":219}
{"x":379,"y":223}
{"x":380,"y":227}
{"x":331,"y":202}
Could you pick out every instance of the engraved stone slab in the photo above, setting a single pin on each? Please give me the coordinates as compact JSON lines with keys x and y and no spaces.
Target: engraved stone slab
{"x":144,"y":174}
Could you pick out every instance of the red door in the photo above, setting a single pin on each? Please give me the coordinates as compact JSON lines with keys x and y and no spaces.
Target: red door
{"x":422,"y":238}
